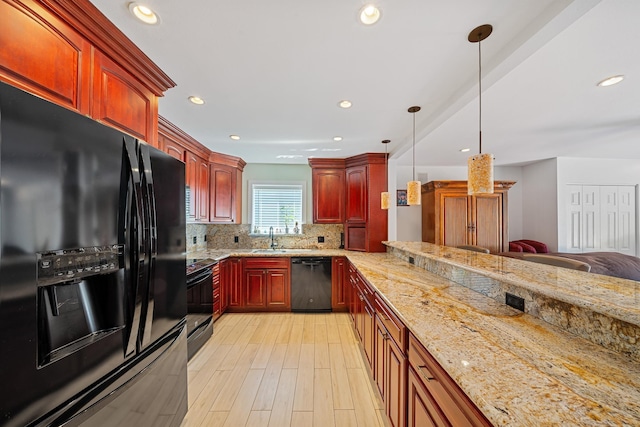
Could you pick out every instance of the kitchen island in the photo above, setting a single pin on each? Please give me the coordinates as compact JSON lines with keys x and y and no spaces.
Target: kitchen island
{"x":519,"y":370}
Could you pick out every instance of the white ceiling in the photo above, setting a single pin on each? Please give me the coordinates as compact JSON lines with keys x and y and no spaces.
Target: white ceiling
{"x":273,"y":72}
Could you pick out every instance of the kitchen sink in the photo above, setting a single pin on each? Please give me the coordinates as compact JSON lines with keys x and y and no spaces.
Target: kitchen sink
{"x":279,"y":251}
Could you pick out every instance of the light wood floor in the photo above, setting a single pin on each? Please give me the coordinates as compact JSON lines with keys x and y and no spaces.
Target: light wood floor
{"x":282,"y":369}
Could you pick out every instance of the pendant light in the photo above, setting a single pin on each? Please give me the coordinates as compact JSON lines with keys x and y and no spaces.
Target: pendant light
{"x":384,"y":196}
{"x":480,"y":176}
{"x":414,"y":196}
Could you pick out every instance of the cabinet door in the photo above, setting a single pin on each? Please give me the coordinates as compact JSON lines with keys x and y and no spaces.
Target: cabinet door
{"x":367,"y":332}
{"x":422,"y":411}
{"x":172,"y":148}
{"x":339,"y":287}
{"x":224,"y":284}
{"x":455,"y":217}
{"x":121,"y":101}
{"x":44,"y":56}
{"x":356,"y":210}
{"x":379,"y":357}
{"x":487,"y":210}
{"x":396,"y":383}
{"x":328,"y":196}
{"x":223,"y":194}
{"x":255,"y":282}
{"x":278,"y":296}
{"x":191,"y":169}
{"x":202,"y":198}
{"x":235,"y":282}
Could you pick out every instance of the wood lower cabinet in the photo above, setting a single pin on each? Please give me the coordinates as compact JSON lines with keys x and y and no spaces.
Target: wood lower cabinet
{"x":450,"y":217}
{"x":235,"y":297}
{"x":433,"y":397}
{"x":225,"y":279}
{"x":264,"y":285}
{"x":390,"y":373}
{"x":216,"y":296}
{"x":339,"y":284}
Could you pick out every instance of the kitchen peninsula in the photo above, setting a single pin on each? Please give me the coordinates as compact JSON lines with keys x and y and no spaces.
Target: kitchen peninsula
{"x":516,"y":368}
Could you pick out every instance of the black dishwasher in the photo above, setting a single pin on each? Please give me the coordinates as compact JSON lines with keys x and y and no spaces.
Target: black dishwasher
{"x":311,"y":284}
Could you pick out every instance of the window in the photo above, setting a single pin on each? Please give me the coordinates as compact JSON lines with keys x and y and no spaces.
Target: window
{"x":276,"y":204}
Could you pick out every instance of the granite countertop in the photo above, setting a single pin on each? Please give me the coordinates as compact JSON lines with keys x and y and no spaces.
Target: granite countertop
{"x":519,"y":370}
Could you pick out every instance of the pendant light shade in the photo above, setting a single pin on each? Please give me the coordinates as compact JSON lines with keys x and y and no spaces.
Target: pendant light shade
{"x":414,"y":191}
{"x":480,"y":166}
{"x":384,"y":196}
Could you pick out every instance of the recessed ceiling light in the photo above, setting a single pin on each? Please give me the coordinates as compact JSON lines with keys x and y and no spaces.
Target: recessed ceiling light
{"x":196,"y":100}
{"x":234,"y":137}
{"x":464,"y":150}
{"x":143,"y":13}
{"x":344,"y":104}
{"x":337,"y":138}
{"x":609,"y":81}
{"x":369,"y":14}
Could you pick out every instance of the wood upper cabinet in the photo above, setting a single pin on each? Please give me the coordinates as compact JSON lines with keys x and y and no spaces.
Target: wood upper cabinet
{"x":365,"y":222}
{"x":434,"y":399}
{"x":225,"y":192}
{"x":121,"y":101}
{"x":328,"y":187}
{"x":43,"y":55}
{"x":450,"y":217}
{"x":357,"y":199}
{"x":69,"y":53}
{"x":202,"y":199}
{"x":339,"y":284}
{"x":192,"y":163}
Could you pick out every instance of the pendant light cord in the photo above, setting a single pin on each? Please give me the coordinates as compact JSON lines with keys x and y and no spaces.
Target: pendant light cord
{"x":480,"y":96}
{"x":414,"y":146}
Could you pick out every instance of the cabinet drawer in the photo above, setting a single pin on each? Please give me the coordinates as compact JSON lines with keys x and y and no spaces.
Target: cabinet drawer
{"x":394,"y":326}
{"x":267,"y":262}
{"x":458,"y":409}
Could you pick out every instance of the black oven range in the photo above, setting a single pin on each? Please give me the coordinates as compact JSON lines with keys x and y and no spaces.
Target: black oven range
{"x":199,"y":303}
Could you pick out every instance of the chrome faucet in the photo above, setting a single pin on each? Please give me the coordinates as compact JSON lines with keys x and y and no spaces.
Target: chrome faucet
{"x":272,"y":237}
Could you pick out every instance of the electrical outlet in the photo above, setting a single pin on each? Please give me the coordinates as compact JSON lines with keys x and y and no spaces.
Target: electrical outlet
{"x":514,"y":301}
{"x":205,"y":237}
{"x":320,"y":239}
{"x":235,"y":239}
{"x":411,"y":260}
{"x":195,"y":239}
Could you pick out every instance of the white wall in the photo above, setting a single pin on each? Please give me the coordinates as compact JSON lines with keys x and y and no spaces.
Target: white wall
{"x":408,"y":226}
{"x":540,"y":206}
{"x":273,"y":172}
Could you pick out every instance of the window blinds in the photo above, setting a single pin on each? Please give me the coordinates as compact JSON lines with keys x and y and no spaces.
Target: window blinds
{"x":276,"y":205}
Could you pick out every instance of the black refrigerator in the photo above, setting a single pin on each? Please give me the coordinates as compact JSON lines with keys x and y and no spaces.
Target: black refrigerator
{"x":92,"y":272}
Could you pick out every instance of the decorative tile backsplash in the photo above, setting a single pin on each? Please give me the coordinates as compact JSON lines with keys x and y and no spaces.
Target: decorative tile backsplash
{"x":222,"y":236}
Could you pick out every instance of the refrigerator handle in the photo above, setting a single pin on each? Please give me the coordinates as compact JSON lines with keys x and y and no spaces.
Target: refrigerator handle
{"x":136,"y":244}
{"x":152,"y":238}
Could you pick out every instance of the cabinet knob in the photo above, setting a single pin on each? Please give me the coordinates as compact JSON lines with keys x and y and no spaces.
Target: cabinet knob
{"x":428,"y":376}
{"x":361,"y":297}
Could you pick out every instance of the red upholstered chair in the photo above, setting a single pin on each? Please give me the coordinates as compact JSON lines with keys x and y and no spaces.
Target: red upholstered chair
{"x":539,"y":247}
{"x":515,"y":247}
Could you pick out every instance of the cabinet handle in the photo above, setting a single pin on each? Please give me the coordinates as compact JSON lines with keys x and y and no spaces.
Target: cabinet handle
{"x":471,"y":226}
{"x":361,"y":297}
{"x":385,"y":336}
{"x":428,"y":377}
